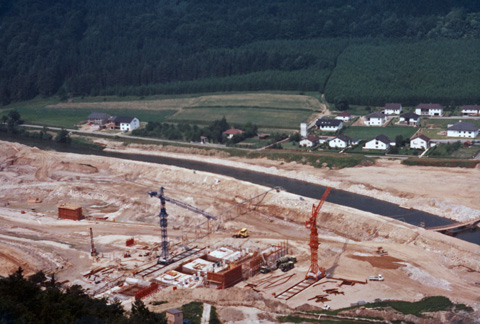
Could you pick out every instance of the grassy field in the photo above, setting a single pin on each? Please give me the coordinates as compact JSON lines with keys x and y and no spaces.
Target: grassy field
{"x":69,"y":117}
{"x":271,"y":111}
{"x":266,"y":118}
{"x":366,"y":133}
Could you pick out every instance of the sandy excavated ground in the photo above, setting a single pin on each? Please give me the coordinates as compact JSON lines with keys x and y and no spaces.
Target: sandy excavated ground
{"x":420,"y":263}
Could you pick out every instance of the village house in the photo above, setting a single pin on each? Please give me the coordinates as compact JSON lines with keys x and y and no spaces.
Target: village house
{"x":393,"y":109}
{"x":410,"y":119}
{"x":429,"y":109}
{"x":380,"y":142}
{"x":375,"y":119}
{"x":420,"y":142}
{"x":462,"y":129}
{"x":344,"y":116}
{"x":342,"y":141}
{"x":123,"y":123}
{"x":329,"y":125}
{"x":471,"y":110}
{"x":309,"y":141}
{"x":232,"y":132}
{"x":98,"y":118}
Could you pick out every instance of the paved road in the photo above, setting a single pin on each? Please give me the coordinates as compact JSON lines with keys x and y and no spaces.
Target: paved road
{"x":116,"y":135}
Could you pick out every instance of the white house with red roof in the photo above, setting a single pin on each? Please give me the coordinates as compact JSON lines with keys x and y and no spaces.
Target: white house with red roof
{"x":309,"y":141}
{"x":420,"y":142}
{"x":232,"y":132}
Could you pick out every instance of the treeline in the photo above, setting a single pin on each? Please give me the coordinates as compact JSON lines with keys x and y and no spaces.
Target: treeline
{"x":186,"y":132}
{"x":40,"y":300}
{"x":145,"y":47}
{"x":442,"y":71}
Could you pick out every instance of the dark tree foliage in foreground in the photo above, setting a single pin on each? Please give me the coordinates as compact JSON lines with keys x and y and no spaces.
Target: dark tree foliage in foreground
{"x":145,"y":47}
{"x":24,"y":301}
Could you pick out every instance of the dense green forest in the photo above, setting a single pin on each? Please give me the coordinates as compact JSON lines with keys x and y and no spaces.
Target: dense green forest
{"x":145,"y":47}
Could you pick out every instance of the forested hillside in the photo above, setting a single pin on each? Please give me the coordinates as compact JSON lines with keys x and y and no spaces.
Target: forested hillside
{"x":52,"y":47}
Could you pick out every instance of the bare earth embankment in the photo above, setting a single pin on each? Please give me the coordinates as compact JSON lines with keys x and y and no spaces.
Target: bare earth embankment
{"x":113,"y":194}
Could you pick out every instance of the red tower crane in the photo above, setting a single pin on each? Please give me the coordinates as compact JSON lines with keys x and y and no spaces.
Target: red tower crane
{"x":315,"y":272}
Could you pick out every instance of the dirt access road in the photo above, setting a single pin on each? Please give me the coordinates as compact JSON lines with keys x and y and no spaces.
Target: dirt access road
{"x":420,"y":263}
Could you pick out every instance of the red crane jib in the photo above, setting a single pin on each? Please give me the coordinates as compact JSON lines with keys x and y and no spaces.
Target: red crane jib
{"x":315,"y":271}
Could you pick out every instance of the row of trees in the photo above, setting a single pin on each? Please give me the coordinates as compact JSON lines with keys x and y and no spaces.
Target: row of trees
{"x":35,"y":300}
{"x":186,"y":132}
{"x":86,"y":47}
{"x":11,"y":121}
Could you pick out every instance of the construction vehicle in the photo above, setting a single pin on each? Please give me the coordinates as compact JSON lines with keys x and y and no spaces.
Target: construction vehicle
{"x":376,"y":278}
{"x":286,"y":259}
{"x":287,"y":266}
{"x":243,"y":233}
{"x":265,"y":269}
{"x":381,"y":251}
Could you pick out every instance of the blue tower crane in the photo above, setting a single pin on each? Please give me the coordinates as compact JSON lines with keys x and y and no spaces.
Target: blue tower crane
{"x":164,"y":258}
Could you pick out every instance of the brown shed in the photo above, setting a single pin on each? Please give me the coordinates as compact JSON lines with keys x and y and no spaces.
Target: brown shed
{"x":67,"y":211}
{"x":174,"y":316}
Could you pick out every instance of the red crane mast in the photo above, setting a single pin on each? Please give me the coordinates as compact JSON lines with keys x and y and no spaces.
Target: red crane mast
{"x":315,"y":271}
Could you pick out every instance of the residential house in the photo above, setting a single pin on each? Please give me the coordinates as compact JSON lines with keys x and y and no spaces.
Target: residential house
{"x":410,"y":119}
{"x":393,"y":109}
{"x":380,"y":142}
{"x":123,"y":123}
{"x":329,"y":125}
{"x":309,"y":141}
{"x":471,"y":110}
{"x":429,"y":109}
{"x":462,"y":129}
{"x":375,"y":119}
{"x":345,"y":116}
{"x":420,"y":142}
{"x":97,"y":118}
{"x":341,"y":141}
{"x":232,"y":132}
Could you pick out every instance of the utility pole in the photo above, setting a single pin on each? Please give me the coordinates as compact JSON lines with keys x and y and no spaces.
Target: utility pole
{"x":93,"y":250}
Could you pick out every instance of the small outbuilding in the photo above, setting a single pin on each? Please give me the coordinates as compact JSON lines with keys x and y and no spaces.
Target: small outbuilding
{"x":232,"y":132}
{"x":174,"y":316}
{"x":68,"y":211}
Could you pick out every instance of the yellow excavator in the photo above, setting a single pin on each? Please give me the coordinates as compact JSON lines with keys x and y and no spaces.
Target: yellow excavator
{"x":243,"y":233}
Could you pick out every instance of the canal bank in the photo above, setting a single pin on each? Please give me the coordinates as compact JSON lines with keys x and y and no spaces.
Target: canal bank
{"x":298,"y":187}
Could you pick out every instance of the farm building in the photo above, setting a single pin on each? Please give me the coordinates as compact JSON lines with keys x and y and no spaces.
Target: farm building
{"x":123,"y":123}
{"x":344,"y":116}
{"x":232,"y":132}
{"x":98,"y":118}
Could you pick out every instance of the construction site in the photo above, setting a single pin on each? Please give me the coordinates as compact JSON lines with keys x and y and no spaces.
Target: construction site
{"x":126,"y":230}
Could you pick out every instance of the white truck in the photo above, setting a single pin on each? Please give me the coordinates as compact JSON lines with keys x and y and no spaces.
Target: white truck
{"x":376,"y":278}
